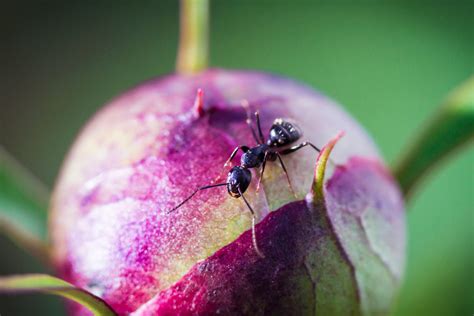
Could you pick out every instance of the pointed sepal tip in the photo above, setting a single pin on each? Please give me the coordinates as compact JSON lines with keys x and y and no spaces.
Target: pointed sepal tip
{"x":198,"y":107}
{"x":317,"y":188}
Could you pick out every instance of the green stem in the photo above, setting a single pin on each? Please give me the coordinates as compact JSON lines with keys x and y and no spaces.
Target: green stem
{"x":194,"y":34}
{"x":23,"y":207}
{"x":451,"y":127}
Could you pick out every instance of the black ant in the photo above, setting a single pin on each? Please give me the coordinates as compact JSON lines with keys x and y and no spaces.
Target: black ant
{"x":282,"y":134}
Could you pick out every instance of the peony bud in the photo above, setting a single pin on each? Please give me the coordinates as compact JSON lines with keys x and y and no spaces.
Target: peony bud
{"x":150,"y":148}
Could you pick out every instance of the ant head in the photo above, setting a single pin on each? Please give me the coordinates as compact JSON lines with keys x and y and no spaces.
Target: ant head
{"x":238,"y":180}
{"x":283,"y":133}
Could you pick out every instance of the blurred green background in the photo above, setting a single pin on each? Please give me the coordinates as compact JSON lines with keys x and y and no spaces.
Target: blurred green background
{"x":389,"y":63}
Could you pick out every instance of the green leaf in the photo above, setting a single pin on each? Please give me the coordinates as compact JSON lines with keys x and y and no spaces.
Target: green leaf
{"x":451,"y":127}
{"x":23,"y":205}
{"x":48,"y":284}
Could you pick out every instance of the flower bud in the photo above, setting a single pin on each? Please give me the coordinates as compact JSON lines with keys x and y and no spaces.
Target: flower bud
{"x":145,"y":152}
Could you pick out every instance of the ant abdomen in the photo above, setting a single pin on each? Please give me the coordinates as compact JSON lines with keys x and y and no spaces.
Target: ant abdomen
{"x":283,"y":133}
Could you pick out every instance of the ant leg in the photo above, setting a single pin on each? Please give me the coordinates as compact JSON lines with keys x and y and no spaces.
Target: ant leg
{"x":245,"y":105}
{"x":262,"y":171}
{"x":194,"y":193}
{"x":234,"y":152}
{"x":257,"y":116}
{"x":298,"y":147}
{"x":254,"y":235}
{"x":286,"y":173}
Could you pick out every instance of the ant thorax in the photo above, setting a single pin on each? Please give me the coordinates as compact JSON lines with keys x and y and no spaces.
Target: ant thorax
{"x":254,"y":157}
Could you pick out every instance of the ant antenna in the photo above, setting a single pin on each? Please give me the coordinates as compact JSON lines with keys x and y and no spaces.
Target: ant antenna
{"x":254,"y":234}
{"x":194,"y":193}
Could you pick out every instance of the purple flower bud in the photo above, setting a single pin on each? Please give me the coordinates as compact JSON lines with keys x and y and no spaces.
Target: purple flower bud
{"x":150,"y":148}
